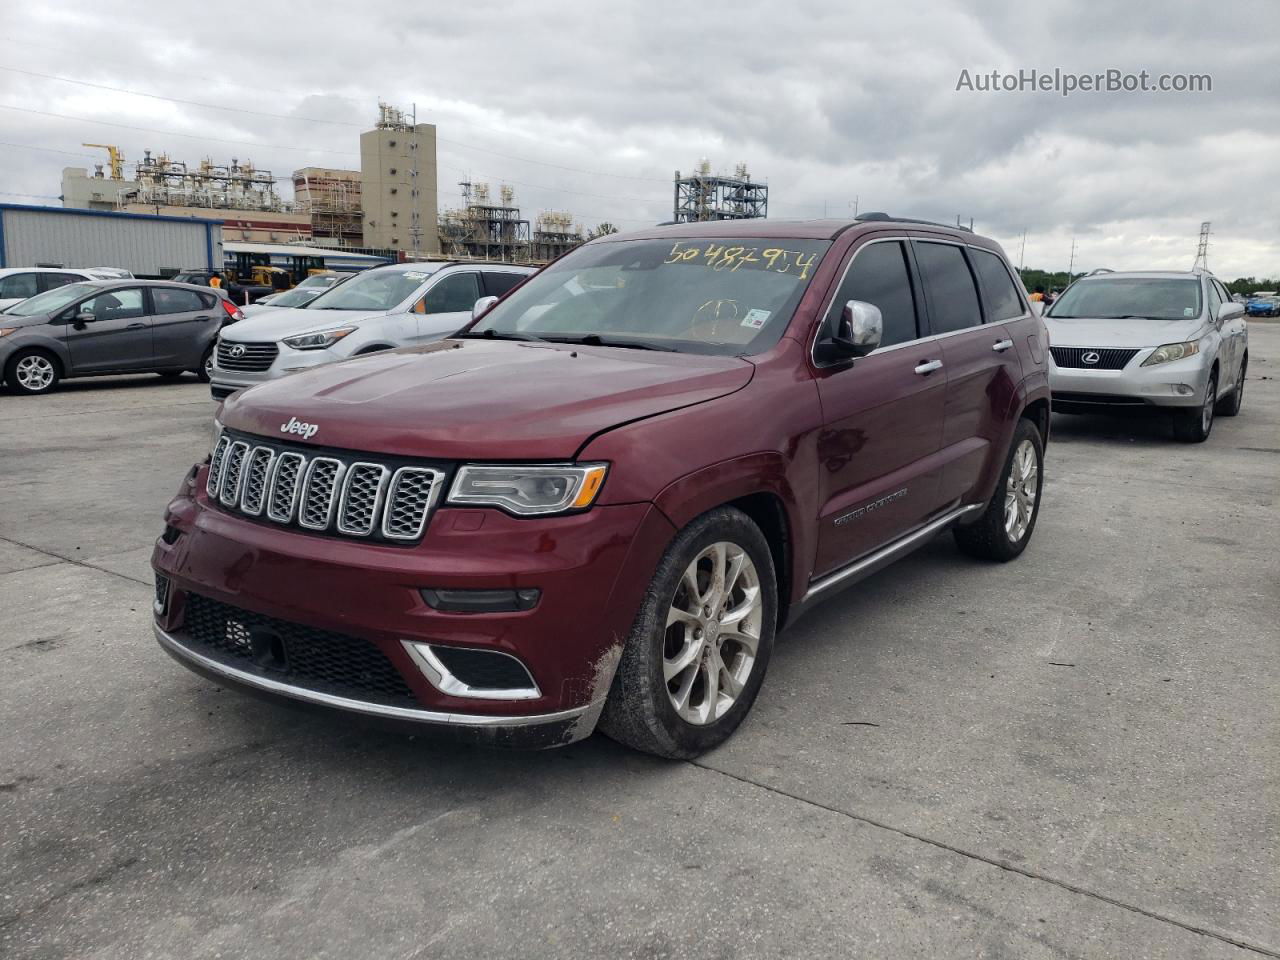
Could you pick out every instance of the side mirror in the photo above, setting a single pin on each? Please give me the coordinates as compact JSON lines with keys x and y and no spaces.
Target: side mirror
{"x":1037,"y":307}
{"x":1229,"y":311}
{"x":482,"y":307}
{"x":861,"y":329}
{"x":84,"y":317}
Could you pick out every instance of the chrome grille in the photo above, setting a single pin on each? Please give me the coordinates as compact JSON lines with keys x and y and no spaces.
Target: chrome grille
{"x":323,"y":494}
{"x":361,"y":498}
{"x":321,"y":487}
{"x":255,"y":480}
{"x":1100,"y":358}
{"x":408,"y":502}
{"x":246,"y":357}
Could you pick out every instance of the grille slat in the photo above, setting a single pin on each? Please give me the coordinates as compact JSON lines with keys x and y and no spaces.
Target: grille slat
{"x":323,"y":494}
{"x":253,"y":358}
{"x":1109,"y":358}
{"x":299,"y":655}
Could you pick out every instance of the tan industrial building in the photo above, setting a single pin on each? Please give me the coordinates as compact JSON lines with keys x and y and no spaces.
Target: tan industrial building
{"x":398,"y":184}
{"x":332,"y":200}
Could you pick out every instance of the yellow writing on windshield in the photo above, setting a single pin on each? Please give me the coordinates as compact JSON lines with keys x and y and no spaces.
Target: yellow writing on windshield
{"x":733,"y":257}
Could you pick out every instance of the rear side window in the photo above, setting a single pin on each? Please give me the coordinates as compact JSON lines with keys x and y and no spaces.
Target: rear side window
{"x":948,"y":284}
{"x":496,"y":284}
{"x":18,"y":286}
{"x":879,"y":276}
{"x":170,"y":300}
{"x":455,"y":293}
{"x":209,"y":300}
{"x":1003,"y":302}
{"x":51,"y":281}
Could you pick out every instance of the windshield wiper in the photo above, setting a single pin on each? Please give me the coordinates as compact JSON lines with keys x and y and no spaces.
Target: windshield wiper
{"x":595,"y":340}
{"x":492,"y":334}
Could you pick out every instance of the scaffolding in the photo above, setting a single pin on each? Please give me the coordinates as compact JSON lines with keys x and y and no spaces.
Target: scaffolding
{"x":332,"y":199}
{"x":162,"y":181}
{"x":484,"y":230}
{"x":707,"y":196}
{"x":554,"y":234}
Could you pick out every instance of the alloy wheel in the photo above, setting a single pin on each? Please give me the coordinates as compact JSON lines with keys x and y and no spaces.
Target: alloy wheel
{"x":712,"y":633}
{"x":1021,"y":491}
{"x":35,"y":373}
{"x":1210,"y":399}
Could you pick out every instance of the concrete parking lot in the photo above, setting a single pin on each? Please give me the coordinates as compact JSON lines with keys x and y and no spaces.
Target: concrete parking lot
{"x":1074,"y":755}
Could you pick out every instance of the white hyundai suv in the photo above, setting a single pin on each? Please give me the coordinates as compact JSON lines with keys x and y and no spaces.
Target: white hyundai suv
{"x":1163,"y":339}
{"x":398,"y":305}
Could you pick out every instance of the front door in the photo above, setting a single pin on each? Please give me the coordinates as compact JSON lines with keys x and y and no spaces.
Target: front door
{"x":118,"y":337}
{"x":446,"y":306}
{"x":882,"y":415}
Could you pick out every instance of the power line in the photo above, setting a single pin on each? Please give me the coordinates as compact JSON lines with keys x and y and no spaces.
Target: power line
{"x":342,"y":123}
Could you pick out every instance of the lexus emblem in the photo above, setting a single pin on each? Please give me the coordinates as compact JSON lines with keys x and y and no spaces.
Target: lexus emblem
{"x":1091,"y":357}
{"x":237,"y":351}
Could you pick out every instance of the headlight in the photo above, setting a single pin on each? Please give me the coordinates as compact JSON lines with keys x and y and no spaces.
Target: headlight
{"x":529,"y":490}
{"x":320,"y":340}
{"x":1172,"y":351}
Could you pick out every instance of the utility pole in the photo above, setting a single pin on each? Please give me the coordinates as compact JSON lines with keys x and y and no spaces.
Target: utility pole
{"x":415,"y":225}
{"x":1022,"y":253}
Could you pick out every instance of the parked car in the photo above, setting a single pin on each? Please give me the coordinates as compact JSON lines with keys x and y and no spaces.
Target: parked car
{"x":602,"y":499}
{"x":300,"y":295}
{"x":386,"y":307}
{"x":100,"y":327}
{"x":19,"y":283}
{"x":240,"y":293}
{"x":1167,"y":339}
{"x":1263,"y":306}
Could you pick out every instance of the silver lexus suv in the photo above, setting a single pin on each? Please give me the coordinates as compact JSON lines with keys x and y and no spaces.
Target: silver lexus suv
{"x":398,"y":305}
{"x":1150,"y":339}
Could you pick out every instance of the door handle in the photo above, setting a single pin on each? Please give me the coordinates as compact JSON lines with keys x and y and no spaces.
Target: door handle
{"x":926,"y":368}
{"x":204,"y":317}
{"x":1000,"y":346}
{"x":136,"y":326}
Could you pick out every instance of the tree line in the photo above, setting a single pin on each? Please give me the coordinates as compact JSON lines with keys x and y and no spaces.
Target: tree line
{"x":1058,"y":280}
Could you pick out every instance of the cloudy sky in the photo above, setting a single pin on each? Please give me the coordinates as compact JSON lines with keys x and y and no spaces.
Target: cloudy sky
{"x":590,"y":106}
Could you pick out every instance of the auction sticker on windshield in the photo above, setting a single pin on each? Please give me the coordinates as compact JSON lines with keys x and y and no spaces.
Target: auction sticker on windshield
{"x":720,"y":257}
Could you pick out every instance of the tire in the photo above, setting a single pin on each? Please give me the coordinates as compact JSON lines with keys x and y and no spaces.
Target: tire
{"x":205,"y":370}
{"x":642,"y":709}
{"x":32,"y":372}
{"x":170,"y":374}
{"x":1230,"y":406}
{"x":1194,"y":425}
{"x":998,"y":535}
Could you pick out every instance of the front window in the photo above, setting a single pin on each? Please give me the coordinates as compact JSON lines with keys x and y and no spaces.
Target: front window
{"x":724,"y":296}
{"x":375,"y":290}
{"x":51,"y":301}
{"x":1121,"y":298}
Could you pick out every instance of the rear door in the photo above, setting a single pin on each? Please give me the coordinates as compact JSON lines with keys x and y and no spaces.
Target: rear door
{"x":883,"y":414}
{"x":117,"y":338}
{"x":978,"y":348}
{"x":181,"y":325}
{"x":447,"y":304}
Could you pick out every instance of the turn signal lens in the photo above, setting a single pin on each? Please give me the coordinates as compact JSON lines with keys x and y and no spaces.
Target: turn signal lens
{"x":592,"y":481}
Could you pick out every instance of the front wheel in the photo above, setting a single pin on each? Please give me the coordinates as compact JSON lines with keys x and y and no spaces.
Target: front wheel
{"x":1005,"y":527}
{"x":1193,"y":426}
{"x":32,"y":372}
{"x":700,"y":645}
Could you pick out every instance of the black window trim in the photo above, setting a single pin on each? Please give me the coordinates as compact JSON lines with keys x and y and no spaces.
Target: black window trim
{"x":924,"y":323}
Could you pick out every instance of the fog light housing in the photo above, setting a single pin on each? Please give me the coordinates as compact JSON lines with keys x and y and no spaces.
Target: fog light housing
{"x":482,"y":601}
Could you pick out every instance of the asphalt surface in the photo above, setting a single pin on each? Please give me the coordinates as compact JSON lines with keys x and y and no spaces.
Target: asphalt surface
{"x":1073,"y":755}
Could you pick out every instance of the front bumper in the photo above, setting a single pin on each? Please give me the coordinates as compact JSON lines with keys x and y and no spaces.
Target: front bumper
{"x":591,"y":568}
{"x":1180,"y":383}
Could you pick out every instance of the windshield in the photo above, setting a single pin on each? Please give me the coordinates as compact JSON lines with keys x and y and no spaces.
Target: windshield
{"x":729,"y":297}
{"x":296,"y":297}
{"x":1113,"y":298}
{"x":319,"y":281}
{"x":196,"y":278}
{"x":375,"y":290}
{"x":51,"y":301}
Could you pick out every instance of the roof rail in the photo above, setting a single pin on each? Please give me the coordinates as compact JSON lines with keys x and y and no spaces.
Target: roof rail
{"x":879,"y":216}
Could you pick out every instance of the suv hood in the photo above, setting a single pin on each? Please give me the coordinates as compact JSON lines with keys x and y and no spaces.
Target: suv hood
{"x":1139,"y":332}
{"x":483,"y":399}
{"x":280,"y":322}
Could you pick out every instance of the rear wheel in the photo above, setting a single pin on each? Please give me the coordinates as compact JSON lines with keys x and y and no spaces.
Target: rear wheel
{"x":205,"y":370}
{"x":700,"y":645}
{"x":1005,"y":527}
{"x":1193,"y":425}
{"x":32,"y":372}
{"x":1230,"y":406}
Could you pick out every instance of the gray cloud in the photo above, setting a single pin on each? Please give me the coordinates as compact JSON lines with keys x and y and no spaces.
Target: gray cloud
{"x":827,"y":101}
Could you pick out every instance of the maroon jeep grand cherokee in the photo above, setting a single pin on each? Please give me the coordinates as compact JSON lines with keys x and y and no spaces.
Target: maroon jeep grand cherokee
{"x":598,"y":502}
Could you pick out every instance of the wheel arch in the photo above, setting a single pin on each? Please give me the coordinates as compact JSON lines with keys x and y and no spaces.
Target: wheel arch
{"x":55,"y":351}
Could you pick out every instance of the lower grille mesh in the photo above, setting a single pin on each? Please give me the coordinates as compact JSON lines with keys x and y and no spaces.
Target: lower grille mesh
{"x":298,"y":655}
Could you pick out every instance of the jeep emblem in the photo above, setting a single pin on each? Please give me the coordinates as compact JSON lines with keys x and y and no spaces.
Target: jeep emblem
{"x":305,"y":430}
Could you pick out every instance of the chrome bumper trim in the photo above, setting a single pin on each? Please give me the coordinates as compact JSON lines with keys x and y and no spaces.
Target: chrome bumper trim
{"x":174,"y":647}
